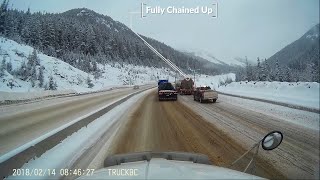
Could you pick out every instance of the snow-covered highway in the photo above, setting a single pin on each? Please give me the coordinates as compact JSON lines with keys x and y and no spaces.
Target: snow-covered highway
{"x":223,"y":131}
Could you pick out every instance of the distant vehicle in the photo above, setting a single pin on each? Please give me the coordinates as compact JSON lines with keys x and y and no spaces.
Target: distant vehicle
{"x":178,"y":165}
{"x":186,"y":86}
{"x":162,"y":81}
{"x":167,"y":92}
{"x":205,"y":94}
{"x":135,"y":87}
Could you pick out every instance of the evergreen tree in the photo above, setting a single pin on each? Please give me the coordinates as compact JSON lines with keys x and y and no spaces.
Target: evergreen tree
{"x":3,"y":15}
{"x":315,"y":72}
{"x":33,"y":76}
{"x":288,"y":76}
{"x":11,"y":84}
{"x":259,"y":70}
{"x":94,"y":66}
{"x":41,"y":77}
{"x":22,"y":72}
{"x":35,"y":57}
{"x":52,"y":84}
{"x":9,"y":66}
{"x":33,"y":83}
{"x":89,"y":82}
{"x":249,"y":71}
{"x":266,"y":70}
{"x":277,"y":75}
{"x":3,"y":67}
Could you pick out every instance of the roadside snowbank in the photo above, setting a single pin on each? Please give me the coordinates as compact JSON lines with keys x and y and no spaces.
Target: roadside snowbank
{"x":301,"y":93}
{"x":302,"y":118}
{"x":67,"y":77}
{"x":214,"y":81}
{"x":31,"y":95}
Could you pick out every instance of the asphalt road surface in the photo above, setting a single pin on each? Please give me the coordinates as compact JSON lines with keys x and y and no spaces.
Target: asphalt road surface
{"x":172,"y":126}
{"x":223,"y":131}
{"x":29,"y":121}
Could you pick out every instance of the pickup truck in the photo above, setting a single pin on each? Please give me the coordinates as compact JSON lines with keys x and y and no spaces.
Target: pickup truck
{"x":167,"y":92}
{"x":203,"y":94}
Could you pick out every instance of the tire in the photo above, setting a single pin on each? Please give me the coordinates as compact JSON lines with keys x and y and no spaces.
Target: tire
{"x":200,"y":100}
{"x":194,"y":98}
{"x":214,"y":100}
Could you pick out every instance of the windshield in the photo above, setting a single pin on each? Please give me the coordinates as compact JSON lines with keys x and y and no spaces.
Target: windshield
{"x":82,"y":80}
{"x":166,"y":86}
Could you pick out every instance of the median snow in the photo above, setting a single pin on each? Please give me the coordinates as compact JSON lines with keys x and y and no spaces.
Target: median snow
{"x":299,"y":93}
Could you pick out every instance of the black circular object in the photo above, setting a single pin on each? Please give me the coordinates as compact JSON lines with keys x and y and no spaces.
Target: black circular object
{"x":272,"y":147}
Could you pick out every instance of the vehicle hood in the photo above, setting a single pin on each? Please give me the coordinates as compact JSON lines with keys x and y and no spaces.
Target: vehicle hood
{"x":158,"y":168}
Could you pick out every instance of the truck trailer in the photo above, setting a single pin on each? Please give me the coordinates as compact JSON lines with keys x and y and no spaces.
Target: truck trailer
{"x":186,"y":86}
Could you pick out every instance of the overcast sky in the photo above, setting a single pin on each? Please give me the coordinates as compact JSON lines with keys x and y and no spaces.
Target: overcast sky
{"x":243,"y":28}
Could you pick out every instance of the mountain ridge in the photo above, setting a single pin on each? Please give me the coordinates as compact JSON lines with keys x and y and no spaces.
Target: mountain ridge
{"x":82,"y":37}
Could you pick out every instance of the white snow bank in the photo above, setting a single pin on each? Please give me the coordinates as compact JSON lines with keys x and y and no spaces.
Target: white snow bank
{"x":299,"y":117}
{"x":68,"y":77}
{"x":214,"y":81}
{"x":31,"y":95}
{"x":301,"y":93}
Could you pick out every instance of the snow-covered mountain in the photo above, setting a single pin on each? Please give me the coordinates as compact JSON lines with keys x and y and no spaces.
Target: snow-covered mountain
{"x":208,"y":56}
{"x":89,"y":37}
{"x":64,"y":76}
{"x":205,"y":55}
{"x":301,"y":52}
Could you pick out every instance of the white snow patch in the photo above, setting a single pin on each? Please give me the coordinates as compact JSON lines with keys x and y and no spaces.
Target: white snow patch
{"x":210,"y":57}
{"x":312,"y":36}
{"x":31,"y":95}
{"x":207,"y":56}
{"x":69,"y":78}
{"x":301,"y":93}
{"x":299,"y":117}
{"x":213,"y":81}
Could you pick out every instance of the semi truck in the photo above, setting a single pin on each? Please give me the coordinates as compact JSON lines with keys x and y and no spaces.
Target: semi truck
{"x":186,"y":86}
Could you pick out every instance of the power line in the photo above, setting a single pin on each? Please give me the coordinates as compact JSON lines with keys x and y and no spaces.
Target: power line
{"x":172,"y":65}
